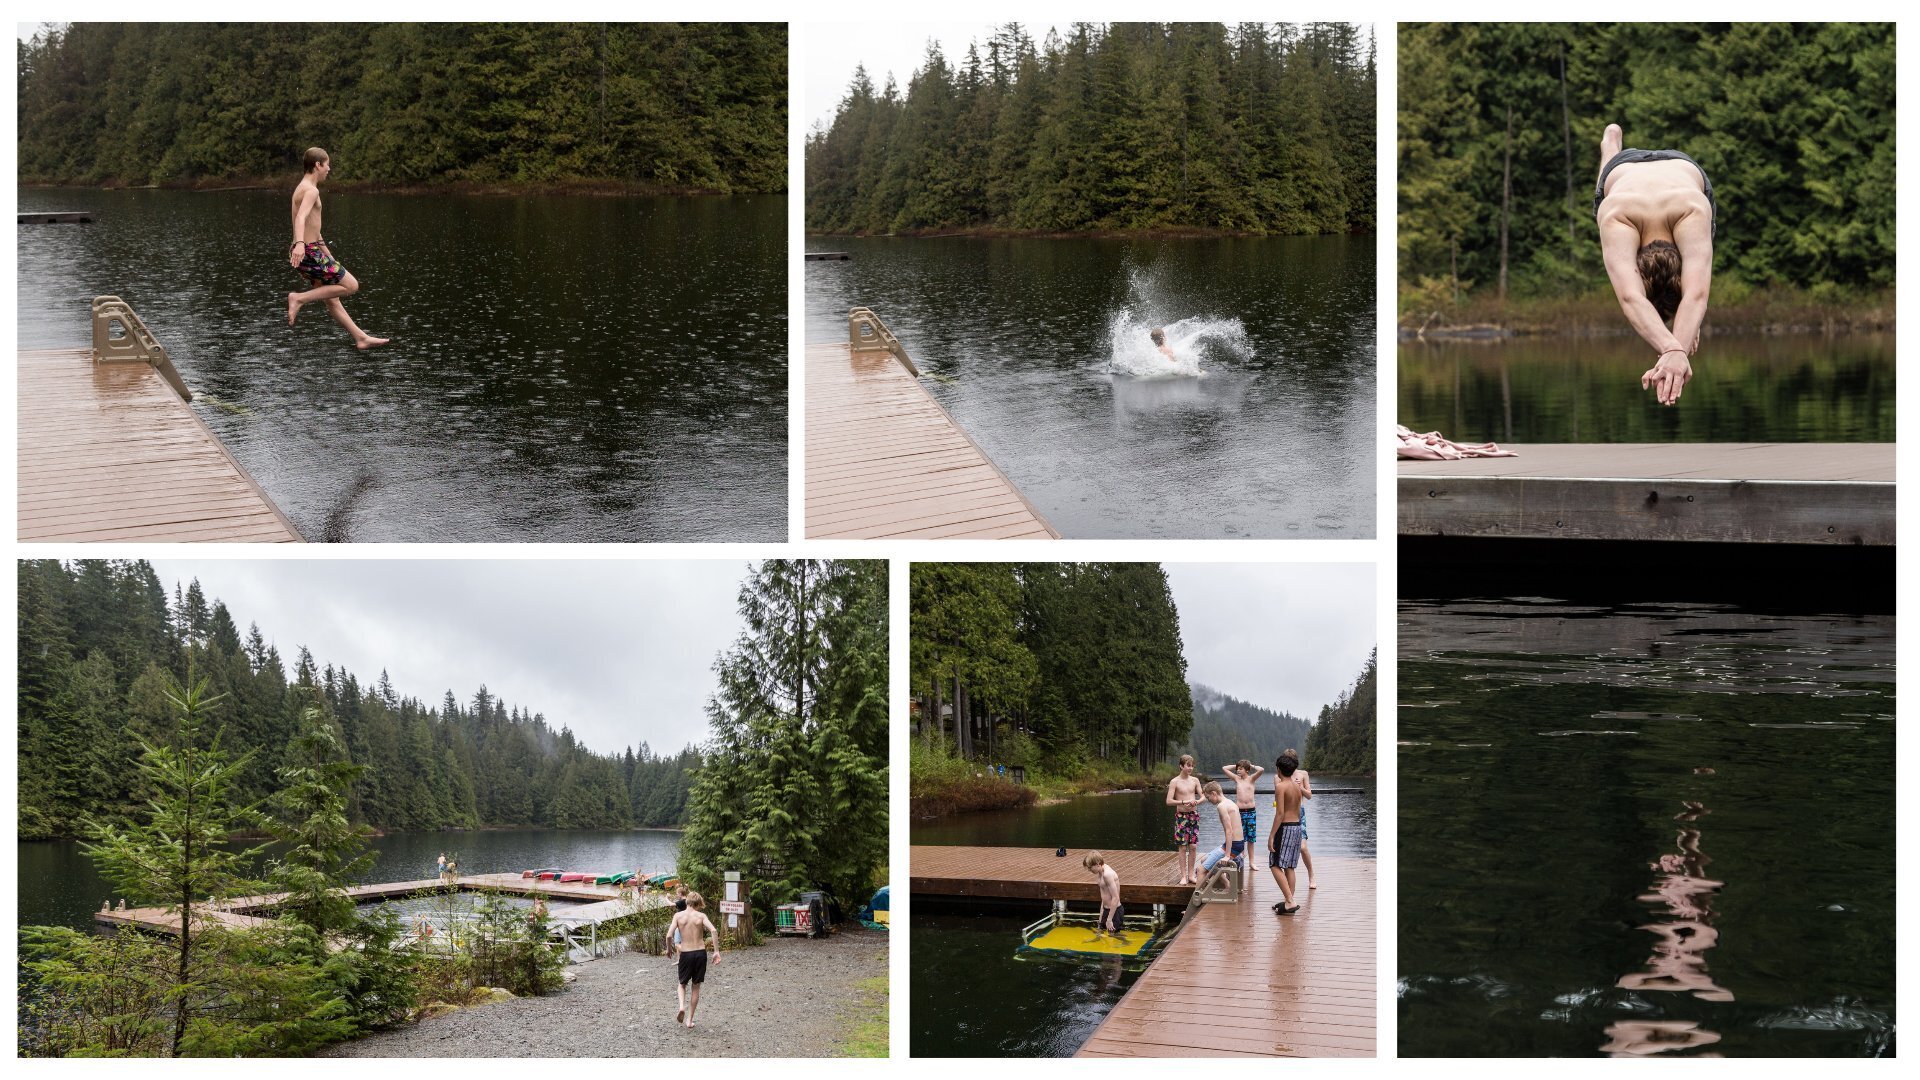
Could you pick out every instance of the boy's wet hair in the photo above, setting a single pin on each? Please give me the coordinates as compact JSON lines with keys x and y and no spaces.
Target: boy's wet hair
{"x":313,"y":156}
{"x":1158,"y":335}
{"x":1212,"y":788}
{"x":1093,"y":859}
{"x":1292,"y":753}
{"x":1244,"y":764}
{"x":1186,"y":759}
{"x":695,"y":902}
{"x":1659,"y":266}
{"x":1286,"y":763}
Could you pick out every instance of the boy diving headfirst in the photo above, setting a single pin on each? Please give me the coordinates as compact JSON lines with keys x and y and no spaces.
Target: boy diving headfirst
{"x":1656,"y":214}
{"x":310,"y":258}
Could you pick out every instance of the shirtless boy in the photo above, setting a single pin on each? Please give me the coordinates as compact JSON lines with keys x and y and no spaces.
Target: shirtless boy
{"x":1244,"y":773}
{"x":310,"y":258}
{"x":1230,"y":828}
{"x":1111,"y":912}
{"x":696,"y":937}
{"x":1305,"y":784}
{"x":1183,"y":794}
{"x":1656,"y":214}
{"x":1159,"y":337}
{"x":1283,"y":843}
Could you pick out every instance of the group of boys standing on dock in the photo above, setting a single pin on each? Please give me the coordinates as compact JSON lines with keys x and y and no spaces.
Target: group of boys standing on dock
{"x":1239,"y":824}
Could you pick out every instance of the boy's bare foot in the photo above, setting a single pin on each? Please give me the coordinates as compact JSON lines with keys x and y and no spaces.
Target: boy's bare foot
{"x":293,"y":307}
{"x":1311,"y":884}
{"x":369,"y":342}
{"x":680,"y":1016}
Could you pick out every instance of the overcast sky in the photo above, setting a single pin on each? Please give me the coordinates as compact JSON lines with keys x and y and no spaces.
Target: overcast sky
{"x":621,"y":652}
{"x":1286,"y":637}
{"x":835,"y":49}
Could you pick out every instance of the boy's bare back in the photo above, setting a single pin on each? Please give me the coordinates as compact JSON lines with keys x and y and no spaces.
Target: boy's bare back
{"x":696,"y":930}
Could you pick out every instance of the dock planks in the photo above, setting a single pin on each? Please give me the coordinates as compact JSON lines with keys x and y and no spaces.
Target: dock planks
{"x":1238,"y":980}
{"x":108,"y":452}
{"x":1781,"y":493}
{"x":1009,"y":873}
{"x":599,"y":902}
{"x":884,"y":460}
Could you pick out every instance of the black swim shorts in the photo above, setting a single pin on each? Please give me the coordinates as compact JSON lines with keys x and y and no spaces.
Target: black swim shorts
{"x":693,"y":967}
{"x":1631,"y":156}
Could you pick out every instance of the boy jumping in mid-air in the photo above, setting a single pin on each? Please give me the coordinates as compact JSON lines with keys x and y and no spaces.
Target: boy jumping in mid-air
{"x":1283,"y":844}
{"x":1110,"y":910}
{"x":310,"y":258}
{"x":1230,"y":828}
{"x":1183,"y":794}
{"x":695,"y":937}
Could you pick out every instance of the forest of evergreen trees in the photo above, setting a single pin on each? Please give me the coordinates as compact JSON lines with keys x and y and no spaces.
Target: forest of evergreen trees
{"x":1056,"y":665}
{"x":99,"y":640}
{"x":1342,"y":740}
{"x":1257,"y":128}
{"x":1794,"y":124}
{"x":668,"y":106}
{"x":1226,"y":729}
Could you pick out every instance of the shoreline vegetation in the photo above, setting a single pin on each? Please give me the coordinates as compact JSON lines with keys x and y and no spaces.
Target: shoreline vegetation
{"x":210,"y":185}
{"x":1254,"y":128}
{"x":1498,"y":134}
{"x":1779,"y":309}
{"x":498,"y":106}
{"x":995,"y":232}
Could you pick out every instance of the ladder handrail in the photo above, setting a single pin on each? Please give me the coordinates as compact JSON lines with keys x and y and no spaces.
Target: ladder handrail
{"x":868,"y":334}
{"x":136,"y":344}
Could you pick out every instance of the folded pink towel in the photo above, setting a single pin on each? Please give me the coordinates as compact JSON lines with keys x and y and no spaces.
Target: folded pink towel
{"x":1433,"y":446}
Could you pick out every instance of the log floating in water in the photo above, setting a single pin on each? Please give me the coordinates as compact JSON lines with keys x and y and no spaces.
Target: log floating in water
{"x":58,"y":217}
{"x":828,"y":256}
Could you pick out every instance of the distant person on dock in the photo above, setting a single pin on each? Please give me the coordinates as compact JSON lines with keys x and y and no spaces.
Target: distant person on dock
{"x":697,"y":937}
{"x":1235,"y":835}
{"x":1283,"y":843}
{"x":1245,"y":796}
{"x":1112,"y":915}
{"x":1305,"y":784}
{"x":1183,"y":794}
{"x":1656,"y":214}
{"x":311,"y":259}
{"x":442,"y":871}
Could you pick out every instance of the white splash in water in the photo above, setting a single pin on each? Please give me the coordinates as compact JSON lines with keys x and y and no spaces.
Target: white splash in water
{"x":1195,"y":340}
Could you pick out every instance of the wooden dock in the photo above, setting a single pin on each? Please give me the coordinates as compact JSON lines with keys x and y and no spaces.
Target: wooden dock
{"x":598,"y":902}
{"x":1240,"y":981}
{"x":885,"y":460}
{"x":1748,"y":493}
{"x":1009,"y":873}
{"x":109,"y":452}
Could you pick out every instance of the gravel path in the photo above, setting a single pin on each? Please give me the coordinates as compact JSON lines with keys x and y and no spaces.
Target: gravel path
{"x":788,"y":998}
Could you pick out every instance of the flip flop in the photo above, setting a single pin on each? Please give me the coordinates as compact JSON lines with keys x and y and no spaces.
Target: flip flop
{"x":1287,"y":910}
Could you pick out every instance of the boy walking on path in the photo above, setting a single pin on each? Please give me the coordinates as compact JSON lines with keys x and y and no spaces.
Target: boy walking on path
{"x":1283,"y":844}
{"x":1183,"y":794}
{"x":311,"y":259}
{"x":1235,"y":839}
{"x":696,"y":937}
{"x":1111,"y":913}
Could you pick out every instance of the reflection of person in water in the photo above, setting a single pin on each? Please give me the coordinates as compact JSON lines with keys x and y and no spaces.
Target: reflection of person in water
{"x":1679,"y":960}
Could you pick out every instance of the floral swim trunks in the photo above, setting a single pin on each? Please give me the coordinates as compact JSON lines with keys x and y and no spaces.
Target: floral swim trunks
{"x":319,"y":266}
{"x":1186,"y":826}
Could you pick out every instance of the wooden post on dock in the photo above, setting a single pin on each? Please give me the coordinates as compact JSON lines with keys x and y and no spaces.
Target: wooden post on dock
{"x":736,"y":911}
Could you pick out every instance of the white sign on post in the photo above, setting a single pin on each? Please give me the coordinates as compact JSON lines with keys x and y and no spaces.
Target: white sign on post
{"x":733,"y":921}
{"x":733,"y":890}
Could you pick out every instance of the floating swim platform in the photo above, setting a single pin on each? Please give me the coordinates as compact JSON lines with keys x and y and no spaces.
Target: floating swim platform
{"x":1076,"y":934}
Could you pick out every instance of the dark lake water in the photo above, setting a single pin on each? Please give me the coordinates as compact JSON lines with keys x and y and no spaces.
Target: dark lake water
{"x":1745,"y":388}
{"x":58,"y":885}
{"x":1039,"y":349}
{"x":1644,"y":830}
{"x":1046,"y":1006}
{"x":563,"y":368}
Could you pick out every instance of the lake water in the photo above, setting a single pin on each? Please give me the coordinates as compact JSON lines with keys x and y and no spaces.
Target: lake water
{"x":58,"y":885}
{"x":1047,"y":1006}
{"x":563,"y":368}
{"x":1652,"y":829}
{"x":1745,"y":388}
{"x":1028,"y":344}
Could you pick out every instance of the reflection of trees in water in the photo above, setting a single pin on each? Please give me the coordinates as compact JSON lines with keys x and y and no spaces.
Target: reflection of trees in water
{"x":1679,"y":962}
